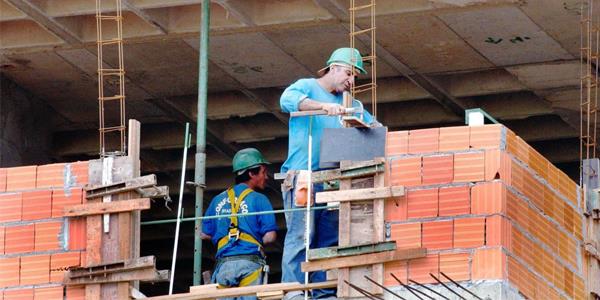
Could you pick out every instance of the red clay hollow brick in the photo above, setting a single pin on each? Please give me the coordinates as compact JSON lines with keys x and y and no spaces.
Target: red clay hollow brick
{"x":9,"y":271}
{"x":2,"y":180}
{"x":437,"y":235}
{"x":486,"y":136}
{"x":77,"y":234}
{"x":21,"y":294}
{"x":407,"y":235}
{"x":396,"y":209}
{"x":454,"y":201}
{"x":60,"y":262}
{"x":423,"y":141}
{"x":422,"y":203}
{"x":20,"y":178}
{"x":455,"y":266}
{"x":469,"y":167}
{"x":62,"y":199}
{"x":420,"y":268}
{"x":19,"y":239}
{"x":399,"y":268}
{"x":405,"y":171}
{"x":35,"y":269}
{"x":1,"y":240}
{"x":488,"y":263}
{"x":48,"y":293}
{"x":396,"y":143}
{"x":469,"y":232}
{"x":78,"y":173}
{"x":49,"y":176}
{"x":47,"y":236}
{"x":75,"y":293}
{"x":454,"y":138}
{"x":438,"y":169}
{"x":37,"y":205}
{"x":10,"y":207}
{"x":488,"y":198}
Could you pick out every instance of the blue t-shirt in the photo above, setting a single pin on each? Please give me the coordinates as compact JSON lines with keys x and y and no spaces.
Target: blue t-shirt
{"x":299,"y":128}
{"x":256,"y":225}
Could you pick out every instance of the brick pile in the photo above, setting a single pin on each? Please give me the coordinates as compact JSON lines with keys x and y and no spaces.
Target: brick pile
{"x":38,"y":244}
{"x":486,"y":206}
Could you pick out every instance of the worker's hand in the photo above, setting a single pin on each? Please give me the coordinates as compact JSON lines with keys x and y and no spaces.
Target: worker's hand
{"x":333,"y":109}
{"x":205,"y":236}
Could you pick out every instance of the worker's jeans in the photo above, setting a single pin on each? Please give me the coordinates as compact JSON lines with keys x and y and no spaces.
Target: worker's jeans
{"x":230,"y":273}
{"x":324,"y":233}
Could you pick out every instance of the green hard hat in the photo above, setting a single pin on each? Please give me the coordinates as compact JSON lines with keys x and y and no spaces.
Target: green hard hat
{"x":346,"y":56}
{"x":246,"y":159}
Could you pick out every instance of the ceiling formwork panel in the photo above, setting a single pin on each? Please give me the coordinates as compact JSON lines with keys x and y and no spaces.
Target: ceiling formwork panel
{"x":505,"y":35}
{"x":426,"y":44}
{"x":296,"y":42}
{"x":255,"y":61}
{"x":548,"y":76}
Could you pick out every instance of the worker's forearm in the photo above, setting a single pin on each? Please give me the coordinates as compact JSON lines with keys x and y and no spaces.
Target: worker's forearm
{"x":205,"y":236}
{"x":269,"y":237}
{"x":308,"y":104}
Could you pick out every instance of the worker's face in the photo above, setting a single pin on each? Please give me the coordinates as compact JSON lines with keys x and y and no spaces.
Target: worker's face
{"x":260,"y":179}
{"x":343,"y":78}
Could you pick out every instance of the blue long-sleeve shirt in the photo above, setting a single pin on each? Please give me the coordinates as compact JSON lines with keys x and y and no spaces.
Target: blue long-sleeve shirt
{"x":301,"y":127}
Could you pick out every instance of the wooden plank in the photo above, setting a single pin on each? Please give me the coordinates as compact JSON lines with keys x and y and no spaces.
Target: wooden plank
{"x":360,"y":194}
{"x":247,"y":290}
{"x":367,"y":259}
{"x":344,"y":230}
{"x":204,"y":288}
{"x":107,"y":207}
{"x":126,"y":185}
{"x":379,"y":231}
{"x":109,"y":282}
{"x":93,"y":242}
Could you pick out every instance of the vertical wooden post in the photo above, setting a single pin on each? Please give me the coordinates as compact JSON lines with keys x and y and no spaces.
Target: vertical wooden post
{"x":360,"y":223}
{"x":133,"y":151}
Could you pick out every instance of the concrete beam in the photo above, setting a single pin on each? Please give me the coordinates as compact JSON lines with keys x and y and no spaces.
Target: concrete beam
{"x":45,"y":21}
{"x":144,"y":15}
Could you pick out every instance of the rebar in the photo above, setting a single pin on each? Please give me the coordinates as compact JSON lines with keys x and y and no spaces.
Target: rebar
{"x":362,"y":291}
{"x":384,"y":288}
{"x":410,"y":289}
{"x":460,"y":286}
{"x":447,"y":287}
{"x":428,"y":288}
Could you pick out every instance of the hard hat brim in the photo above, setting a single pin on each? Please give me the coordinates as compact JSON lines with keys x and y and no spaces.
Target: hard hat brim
{"x":322,"y":71}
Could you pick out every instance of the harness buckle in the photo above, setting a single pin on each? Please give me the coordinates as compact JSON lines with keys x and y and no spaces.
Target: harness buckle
{"x":236,"y":235}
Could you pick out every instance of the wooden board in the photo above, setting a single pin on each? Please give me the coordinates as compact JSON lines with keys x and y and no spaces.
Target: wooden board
{"x":360,"y":194}
{"x":107,"y":207}
{"x":203,"y":293}
{"x":363,"y":260}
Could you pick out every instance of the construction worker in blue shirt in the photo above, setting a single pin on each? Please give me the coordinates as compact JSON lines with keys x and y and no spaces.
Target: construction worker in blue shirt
{"x":240,"y":240}
{"x":323,"y":93}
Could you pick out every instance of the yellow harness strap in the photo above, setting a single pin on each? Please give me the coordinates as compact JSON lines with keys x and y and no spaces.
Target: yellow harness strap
{"x":234,"y":231}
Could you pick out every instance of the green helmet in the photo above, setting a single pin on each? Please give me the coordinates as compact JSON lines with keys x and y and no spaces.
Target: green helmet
{"x":346,"y":56}
{"x":246,"y":159}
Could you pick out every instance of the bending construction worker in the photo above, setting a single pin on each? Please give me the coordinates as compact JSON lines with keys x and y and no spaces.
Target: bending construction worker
{"x":240,"y":240}
{"x":324,"y":93}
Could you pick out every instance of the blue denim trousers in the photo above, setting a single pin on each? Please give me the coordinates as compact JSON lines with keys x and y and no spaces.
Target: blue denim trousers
{"x":323,"y":233}
{"x":231,"y":272}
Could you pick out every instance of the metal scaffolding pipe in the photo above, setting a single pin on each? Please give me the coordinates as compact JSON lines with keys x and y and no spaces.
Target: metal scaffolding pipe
{"x":200,"y":165}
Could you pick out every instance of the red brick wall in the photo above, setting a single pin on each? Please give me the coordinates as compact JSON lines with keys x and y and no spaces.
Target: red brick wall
{"x":37,"y":244}
{"x":486,"y":206}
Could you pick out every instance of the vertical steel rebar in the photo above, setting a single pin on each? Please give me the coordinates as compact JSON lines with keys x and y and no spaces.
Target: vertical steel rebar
{"x":200,"y":164}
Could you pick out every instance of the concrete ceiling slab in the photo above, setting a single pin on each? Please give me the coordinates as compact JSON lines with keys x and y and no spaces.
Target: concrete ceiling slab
{"x":547,"y":76}
{"x":426,"y":44}
{"x":297,"y":42}
{"x":9,"y":13}
{"x":12,"y":32}
{"x":254,"y":60}
{"x":569,"y":99}
{"x":559,"y":19}
{"x":64,"y":87}
{"x":505,"y":35}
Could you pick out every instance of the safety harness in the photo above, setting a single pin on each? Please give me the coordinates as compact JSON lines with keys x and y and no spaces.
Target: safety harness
{"x":236,"y":234}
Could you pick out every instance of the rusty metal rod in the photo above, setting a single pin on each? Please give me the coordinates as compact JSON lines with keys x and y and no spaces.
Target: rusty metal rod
{"x":428,"y":288}
{"x":410,"y":289}
{"x":384,"y":288}
{"x":448,"y":288}
{"x":362,"y":291}
{"x":460,"y":286}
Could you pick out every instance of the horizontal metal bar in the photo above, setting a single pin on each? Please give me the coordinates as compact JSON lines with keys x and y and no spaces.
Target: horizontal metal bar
{"x":356,"y":8}
{"x":277,"y":211}
{"x":362,"y":31}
